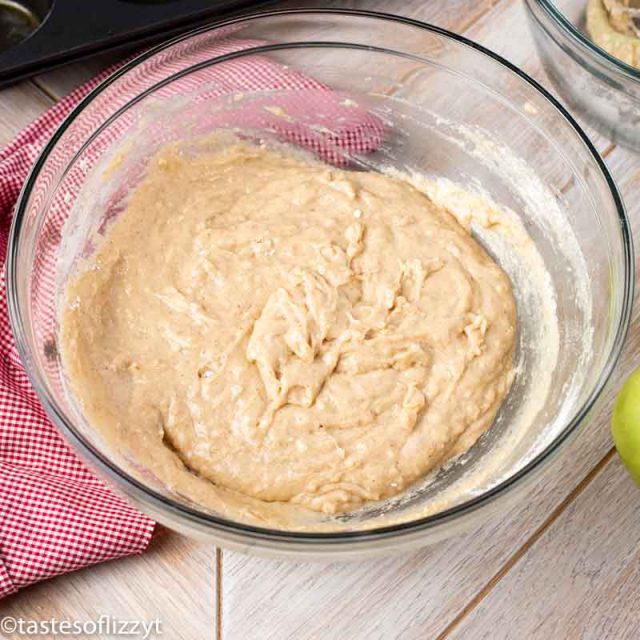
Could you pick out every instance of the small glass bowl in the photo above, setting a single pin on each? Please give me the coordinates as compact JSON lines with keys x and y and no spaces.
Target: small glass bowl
{"x":451,"y":110}
{"x":600,"y":87}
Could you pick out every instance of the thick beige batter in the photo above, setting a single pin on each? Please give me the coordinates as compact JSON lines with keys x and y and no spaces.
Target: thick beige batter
{"x":613,"y":30}
{"x":286,"y":330}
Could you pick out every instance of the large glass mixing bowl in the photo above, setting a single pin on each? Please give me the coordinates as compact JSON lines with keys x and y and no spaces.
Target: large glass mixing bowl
{"x":423,"y":100}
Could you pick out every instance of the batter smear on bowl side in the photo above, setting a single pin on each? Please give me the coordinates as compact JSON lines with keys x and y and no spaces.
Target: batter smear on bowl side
{"x":287,"y":331}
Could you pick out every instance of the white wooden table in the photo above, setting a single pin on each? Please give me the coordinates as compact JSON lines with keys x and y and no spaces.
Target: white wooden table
{"x":564,"y":563}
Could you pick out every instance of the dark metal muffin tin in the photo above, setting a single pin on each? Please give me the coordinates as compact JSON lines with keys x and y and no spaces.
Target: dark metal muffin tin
{"x":36,"y":35}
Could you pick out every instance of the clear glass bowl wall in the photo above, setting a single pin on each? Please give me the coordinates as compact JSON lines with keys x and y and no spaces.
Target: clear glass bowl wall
{"x":599,"y":87}
{"x":431,"y":89}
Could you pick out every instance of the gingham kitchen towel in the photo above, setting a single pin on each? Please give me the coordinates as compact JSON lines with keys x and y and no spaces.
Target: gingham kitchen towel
{"x":55,"y":515}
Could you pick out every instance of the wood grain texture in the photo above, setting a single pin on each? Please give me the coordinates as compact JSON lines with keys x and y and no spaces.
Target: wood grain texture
{"x":581,"y":578}
{"x":414,"y":596}
{"x":624,"y":166}
{"x":420,"y":595}
{"x":454,"y":14}
{"x":19,"y":105}
{"x":505,"y":31}
{"x":173,"y":582}
{"x":563,"y":562}
{"x":58,"y":82}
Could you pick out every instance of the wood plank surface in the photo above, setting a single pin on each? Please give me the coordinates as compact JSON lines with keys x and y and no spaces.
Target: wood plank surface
{"x":19,"y":105}
{"x":173,"y":582}
{"x":58,"y":82}
{"x":581,"y":578}
{"x":422,"y":594}
{"x":563,"y":562}
{"x":451,"y":14}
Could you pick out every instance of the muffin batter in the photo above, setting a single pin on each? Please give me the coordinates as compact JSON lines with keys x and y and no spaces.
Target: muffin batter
{"x":612,"y":28}
{"x":287,"y":331}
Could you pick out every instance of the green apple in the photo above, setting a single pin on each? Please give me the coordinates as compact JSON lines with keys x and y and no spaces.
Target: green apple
{"x":625,"y":425}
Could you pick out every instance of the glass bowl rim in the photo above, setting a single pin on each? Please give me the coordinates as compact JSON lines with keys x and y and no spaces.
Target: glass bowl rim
{"x":586,"y":44}
{"x":160,"y":503}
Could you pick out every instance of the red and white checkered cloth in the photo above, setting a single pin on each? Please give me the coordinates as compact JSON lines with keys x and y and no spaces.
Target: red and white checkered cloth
{"x":55,"y":515}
